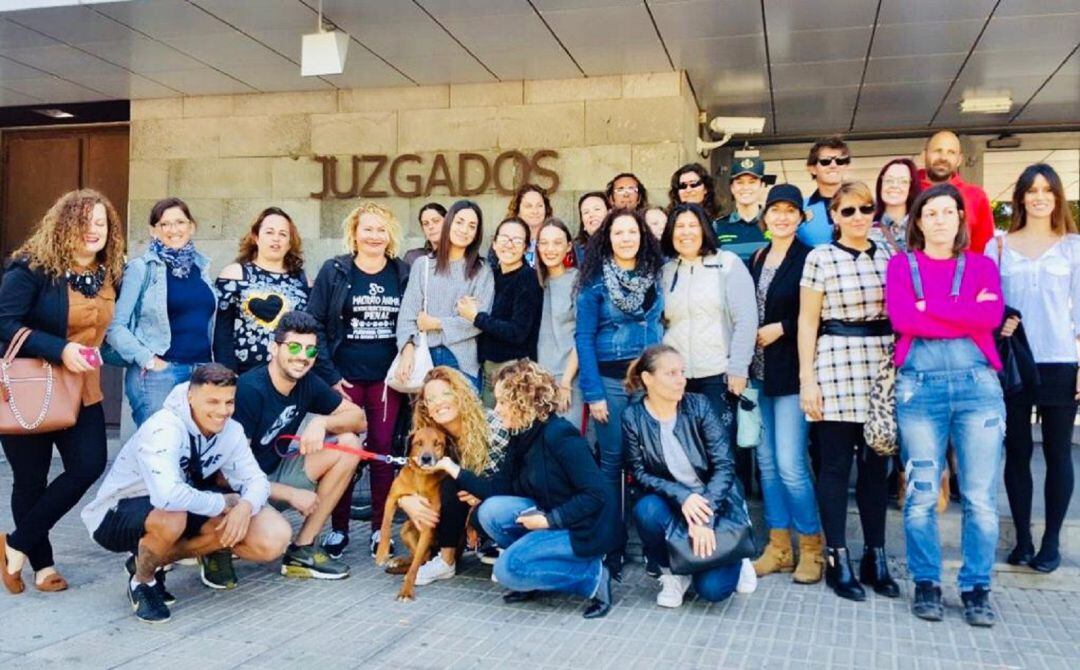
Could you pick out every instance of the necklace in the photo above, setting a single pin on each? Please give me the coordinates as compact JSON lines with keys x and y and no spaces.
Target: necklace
{"x":87,"y":283}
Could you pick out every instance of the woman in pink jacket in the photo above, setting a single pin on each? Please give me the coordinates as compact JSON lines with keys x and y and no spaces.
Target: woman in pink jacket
{"x":945,"y":304}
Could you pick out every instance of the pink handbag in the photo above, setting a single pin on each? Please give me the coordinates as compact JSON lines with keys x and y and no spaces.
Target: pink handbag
{"x":37,"y":396}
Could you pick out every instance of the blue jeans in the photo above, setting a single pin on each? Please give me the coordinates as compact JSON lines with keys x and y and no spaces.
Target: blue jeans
{"x":443,"y":356}
{"x":652,"y":514}
{"x":146,"y":390}
{"x":609,"y":435}
{"x":537,"y":560}
{"x":784,"y":461}
{"x":946,"y":392}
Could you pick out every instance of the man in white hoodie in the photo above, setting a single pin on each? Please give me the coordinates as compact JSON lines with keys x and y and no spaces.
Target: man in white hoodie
{"x":158,"y":502}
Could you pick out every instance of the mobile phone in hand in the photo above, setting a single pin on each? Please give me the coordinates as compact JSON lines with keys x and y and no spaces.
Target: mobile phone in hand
{"x":531,"y":511}
{"x":92,"y":356}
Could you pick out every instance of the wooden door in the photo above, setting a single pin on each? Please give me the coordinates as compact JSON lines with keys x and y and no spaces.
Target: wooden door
{"x":41,"y":165}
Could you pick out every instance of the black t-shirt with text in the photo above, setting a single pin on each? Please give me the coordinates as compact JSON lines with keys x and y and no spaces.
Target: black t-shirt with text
{"x":370,"y":315}
{"x":265,"y":414}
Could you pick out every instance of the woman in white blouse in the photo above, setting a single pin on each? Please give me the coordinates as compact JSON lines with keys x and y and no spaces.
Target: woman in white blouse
{"x":1040,"y":276}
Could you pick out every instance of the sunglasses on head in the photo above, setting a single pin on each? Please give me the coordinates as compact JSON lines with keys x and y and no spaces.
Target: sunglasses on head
{"x":840,"y":160}
{"x":684,"y":185}
{"x":294,"y":349}
{"x":850,"y":211}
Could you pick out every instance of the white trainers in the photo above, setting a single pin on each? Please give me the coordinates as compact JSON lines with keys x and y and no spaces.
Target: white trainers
{"x":747,"y":578}
{"x":672,"y":589}
{"x":434,"y":570}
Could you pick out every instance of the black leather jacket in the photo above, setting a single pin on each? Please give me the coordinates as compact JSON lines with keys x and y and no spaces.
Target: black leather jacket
{"x":707,"y":444}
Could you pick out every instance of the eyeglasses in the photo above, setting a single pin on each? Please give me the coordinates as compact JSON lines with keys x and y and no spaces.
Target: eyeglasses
{"x":627,"y":189}
{"x":896,"y":181}
{"x":840,"y":160}
{"x":518,"y":242}
{"x":294,"y":349}
{"x":686,"y":185}
{"x":850,"y":211}
{"x":182,"y":223}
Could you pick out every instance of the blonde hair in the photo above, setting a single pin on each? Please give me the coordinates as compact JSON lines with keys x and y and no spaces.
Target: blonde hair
{"x":470,"y":450}
{"x":58,"y":237}
{"x":528,"y":389}
{"x":348,"y":226}
{"x":851,"y":189}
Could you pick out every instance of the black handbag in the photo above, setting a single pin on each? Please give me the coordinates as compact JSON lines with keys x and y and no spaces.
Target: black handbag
{"x":734,"y":541}
{"x":1019,"y":373}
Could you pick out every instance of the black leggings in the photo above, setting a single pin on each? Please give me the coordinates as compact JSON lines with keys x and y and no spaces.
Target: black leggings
{"x":838,"y":441}
{"x":1057,"y":428}
{"x":36,"y":503}
{"x":452,"y":516}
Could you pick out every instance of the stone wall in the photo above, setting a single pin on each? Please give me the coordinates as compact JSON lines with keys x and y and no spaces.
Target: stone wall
{"x":230,"y":156}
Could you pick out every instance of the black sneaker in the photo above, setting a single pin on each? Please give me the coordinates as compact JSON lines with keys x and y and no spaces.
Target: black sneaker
{"x":977,"y":608}
{"x":489,"y":554}
{"x":159,"y":577}
{"x":311,"y":561}
{"x":147,"y":603}
{"x":927,"y":603}
{"x":216,"y":570}
{"x":334,"y":543}
{"x":652,"y":568}
{"x":373,"y":544}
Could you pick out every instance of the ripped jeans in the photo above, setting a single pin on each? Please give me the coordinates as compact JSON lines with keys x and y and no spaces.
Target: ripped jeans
{"x":947,"y":393}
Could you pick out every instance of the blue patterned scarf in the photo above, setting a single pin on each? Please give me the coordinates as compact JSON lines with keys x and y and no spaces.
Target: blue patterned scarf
{"x":179,"y":261}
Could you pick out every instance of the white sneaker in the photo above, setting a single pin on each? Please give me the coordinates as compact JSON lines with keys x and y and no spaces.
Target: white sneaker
{"x":672,"y":589}
{"x":747,"y":578}
{"x":434,"y":570}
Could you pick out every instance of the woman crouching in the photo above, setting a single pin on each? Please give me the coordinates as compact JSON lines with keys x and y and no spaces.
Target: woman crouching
{"x":680,"y":452}
{"x":547,"y":505}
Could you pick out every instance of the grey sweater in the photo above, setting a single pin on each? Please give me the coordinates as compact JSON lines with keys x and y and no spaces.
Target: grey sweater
{"x":443,"y":292}
{"x":557,"y":323}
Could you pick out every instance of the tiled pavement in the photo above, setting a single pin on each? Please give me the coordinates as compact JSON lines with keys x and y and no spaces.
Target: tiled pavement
{"x":271,"y":622}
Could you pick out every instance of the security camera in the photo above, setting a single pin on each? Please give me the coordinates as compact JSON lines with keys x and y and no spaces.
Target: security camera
{"x":729,"y":126}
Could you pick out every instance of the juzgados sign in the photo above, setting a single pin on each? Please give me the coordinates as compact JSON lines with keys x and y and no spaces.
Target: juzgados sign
{"x":409,"y":176}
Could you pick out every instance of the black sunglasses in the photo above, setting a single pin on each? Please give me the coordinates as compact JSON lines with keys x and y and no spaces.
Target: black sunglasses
{"x":850,"y":211}
{"x":746,"y":404}
{"x":840,"y":160}
{"x":684,"y":185}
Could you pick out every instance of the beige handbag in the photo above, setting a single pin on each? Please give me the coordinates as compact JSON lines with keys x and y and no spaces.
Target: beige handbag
{"x":35,"y":395}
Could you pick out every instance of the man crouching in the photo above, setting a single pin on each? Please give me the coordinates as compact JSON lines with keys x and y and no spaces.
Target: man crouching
{"x":156,"y":500}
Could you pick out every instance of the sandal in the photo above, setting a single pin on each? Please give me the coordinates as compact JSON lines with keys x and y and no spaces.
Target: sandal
{"x":51,"y":584}
{"x":12,"y":582}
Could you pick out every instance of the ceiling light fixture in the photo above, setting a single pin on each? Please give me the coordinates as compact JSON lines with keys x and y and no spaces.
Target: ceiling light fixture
{"x":55,"y":113}
{"x":986,"y":104}
{"x":323,"y":52}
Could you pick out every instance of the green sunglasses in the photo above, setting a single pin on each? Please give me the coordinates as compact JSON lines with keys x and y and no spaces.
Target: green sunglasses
{"x":294,"y":349}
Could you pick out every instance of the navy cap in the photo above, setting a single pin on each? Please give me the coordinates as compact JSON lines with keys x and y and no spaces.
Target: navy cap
{"x":788,"y":193}
{"x":751,"y":165}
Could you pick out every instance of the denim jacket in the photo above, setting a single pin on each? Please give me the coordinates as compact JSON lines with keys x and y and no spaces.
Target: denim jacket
{"x":139,"y":337}
{"x":606,"y":333}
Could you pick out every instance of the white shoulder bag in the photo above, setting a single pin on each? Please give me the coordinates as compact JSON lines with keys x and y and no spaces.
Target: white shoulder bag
{"x":422,"y":355}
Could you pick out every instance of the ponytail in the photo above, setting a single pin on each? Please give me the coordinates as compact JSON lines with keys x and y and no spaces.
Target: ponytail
{"x":646,"y":362}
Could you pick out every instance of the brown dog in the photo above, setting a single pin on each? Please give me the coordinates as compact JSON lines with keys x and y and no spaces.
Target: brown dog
{"x":426,"y":447}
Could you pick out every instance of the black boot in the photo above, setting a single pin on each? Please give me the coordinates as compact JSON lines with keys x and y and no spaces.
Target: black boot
{"x":600,"y":604}
{"x":840,"y":577}
{"x":874,"y":572}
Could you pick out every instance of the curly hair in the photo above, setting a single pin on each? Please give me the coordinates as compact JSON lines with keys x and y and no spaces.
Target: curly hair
{"x":709,"y":204}
{"x":249,"y":246}
{"x":649,"y":258}
{"x":529,"y":390}
{"x":471,"y":449}
{"x":59,"y":236}
{"x":515,"y":202}
{"x":348,"y":227}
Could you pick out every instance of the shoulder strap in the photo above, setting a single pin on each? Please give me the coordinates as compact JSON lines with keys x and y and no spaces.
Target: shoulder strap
{"x":958,"y":275}
{"x":427,"y":270}
{"x":757,"y":256}
{"x":890,"y":239}
{"x":916,"y":278}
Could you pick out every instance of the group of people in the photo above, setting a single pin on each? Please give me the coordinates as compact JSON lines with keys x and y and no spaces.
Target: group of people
{"x":585,"y":380}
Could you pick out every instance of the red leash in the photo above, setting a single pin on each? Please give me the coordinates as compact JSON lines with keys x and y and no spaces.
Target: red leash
{"x":291,"y":451}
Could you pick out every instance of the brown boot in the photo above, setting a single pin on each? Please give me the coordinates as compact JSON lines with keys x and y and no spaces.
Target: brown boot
{"x":777,"y":556}
{"x":811,"y":565}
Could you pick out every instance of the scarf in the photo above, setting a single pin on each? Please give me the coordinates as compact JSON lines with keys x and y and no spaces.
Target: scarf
{"x":179,"y":261}
{"x":626,"y":288}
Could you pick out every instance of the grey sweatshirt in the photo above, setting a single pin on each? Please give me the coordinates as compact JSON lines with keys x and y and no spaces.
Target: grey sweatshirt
{"x":443,"y":292}
{"x":150,"y":465}
{"x":711,"y":314}
{"x":556,"y":341}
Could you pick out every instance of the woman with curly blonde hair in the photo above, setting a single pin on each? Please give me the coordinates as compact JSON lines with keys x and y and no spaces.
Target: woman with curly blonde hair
{"x":547,"y":503}
{"x":266,"y":281}
{"x":356,"y":299}
{"x":62,"y":285}
{"x":477,"y":442}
